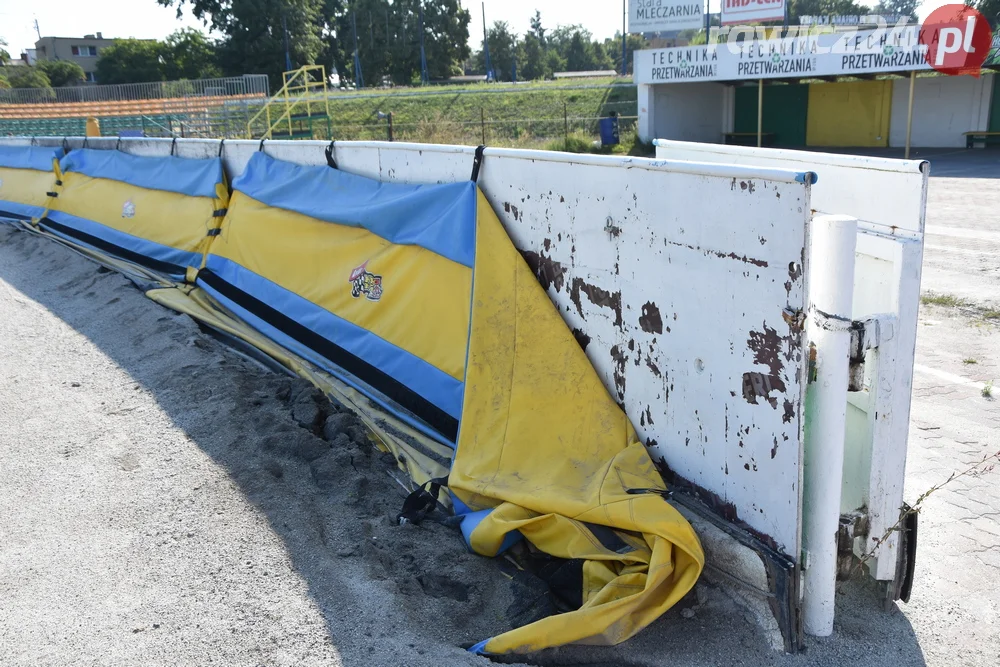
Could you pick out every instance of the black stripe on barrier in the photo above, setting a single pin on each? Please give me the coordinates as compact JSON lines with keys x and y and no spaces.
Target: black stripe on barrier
{"x":434,"y":416}
{"x":116,"y":250}
{"x":14,"y":216}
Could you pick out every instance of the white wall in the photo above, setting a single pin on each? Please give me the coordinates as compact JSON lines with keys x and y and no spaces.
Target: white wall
{"x":943,"y":108}
{"x":688,"y":111}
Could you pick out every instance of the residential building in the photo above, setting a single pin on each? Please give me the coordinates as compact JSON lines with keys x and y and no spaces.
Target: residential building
{"x":84,"y":51}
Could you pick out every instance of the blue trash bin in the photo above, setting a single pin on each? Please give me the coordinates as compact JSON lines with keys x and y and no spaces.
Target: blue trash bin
{"x":609,"y":131}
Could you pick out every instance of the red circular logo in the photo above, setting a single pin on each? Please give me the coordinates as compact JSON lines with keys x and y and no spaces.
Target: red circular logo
{"x":957,"y":38}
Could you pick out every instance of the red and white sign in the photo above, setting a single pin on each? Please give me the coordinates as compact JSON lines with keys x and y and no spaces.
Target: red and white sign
{"x":958,"y":40}
{"x":742,"y":12}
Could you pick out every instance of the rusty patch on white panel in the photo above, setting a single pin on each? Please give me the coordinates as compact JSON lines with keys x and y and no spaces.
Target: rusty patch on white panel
{"x":548,"y":271}
{"x":598,"y":297}
{"x":650,"y":320}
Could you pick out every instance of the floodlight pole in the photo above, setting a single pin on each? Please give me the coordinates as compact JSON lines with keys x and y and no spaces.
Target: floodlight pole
{"x":624,"y":38}
{"x":760,"y":113}
{"x":909,"y":113}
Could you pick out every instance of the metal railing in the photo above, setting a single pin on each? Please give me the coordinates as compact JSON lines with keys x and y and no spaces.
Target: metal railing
{"x":248,"y":85}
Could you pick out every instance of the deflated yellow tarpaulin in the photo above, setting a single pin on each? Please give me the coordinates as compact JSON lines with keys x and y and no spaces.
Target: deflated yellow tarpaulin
{"x":543,"y":444}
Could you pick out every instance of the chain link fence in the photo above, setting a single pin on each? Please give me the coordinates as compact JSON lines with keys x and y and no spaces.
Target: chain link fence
{"x":248,"y":85}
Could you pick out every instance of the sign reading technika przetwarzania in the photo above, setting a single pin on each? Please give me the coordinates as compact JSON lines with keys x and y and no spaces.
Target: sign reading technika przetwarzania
{"x":831,"y":54}
{"x":665,"y":15}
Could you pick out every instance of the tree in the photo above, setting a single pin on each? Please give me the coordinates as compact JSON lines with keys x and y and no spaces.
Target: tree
{"x":27,"y":77}
{"x":503,"y":48}
{"x":4,"y":55}
{"x":254,"y":37}
{"x":531,"y":58}
{"x":536,"y":28}
{"x":389,"y":38}
{"x":991,"y":10}
{"x":613,"y":47}
{"x":187,"y":54}
{"x":131,"y":61}
{"x":826,"y":8}
{"x":906,"y":8}
{"x":62,"y":72}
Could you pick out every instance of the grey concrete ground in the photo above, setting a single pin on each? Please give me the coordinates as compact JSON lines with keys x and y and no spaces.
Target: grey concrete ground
{"x":142,"y":523}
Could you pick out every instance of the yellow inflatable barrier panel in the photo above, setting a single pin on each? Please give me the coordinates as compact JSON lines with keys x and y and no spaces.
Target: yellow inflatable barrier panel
{"x":415,"y":297}
{"x":157,"y":213}
{"x":27,"y":176}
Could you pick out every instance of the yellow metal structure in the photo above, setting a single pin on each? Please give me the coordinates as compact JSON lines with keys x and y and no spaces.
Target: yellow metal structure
{"x":302,"y":101}
{"x":852,"y":113}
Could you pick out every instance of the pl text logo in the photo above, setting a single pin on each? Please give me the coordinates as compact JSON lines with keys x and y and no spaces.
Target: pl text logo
{"x":957,"y":38}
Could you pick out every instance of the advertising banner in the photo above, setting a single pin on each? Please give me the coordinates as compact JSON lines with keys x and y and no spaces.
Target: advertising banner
{"x":665,"y":15}
{"x":831,"y":54}
{"x":742,"y":12}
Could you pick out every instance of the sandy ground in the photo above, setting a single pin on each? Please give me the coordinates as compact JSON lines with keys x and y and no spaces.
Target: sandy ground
{"x":164,"y":501}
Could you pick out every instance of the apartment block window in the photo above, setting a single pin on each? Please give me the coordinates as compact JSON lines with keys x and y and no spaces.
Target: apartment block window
{"x":91,"y":77}
{"x":84,"y":50}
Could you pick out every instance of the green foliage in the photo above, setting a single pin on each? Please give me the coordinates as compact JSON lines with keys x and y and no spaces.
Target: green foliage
{"x":503,"y":47}
{"x":613,"y":47}
{"x":188,"y":54}
{"x":4,"y":55}
{"x":826,"y":8}
{"x":253,"y":39}
{"x":27,"y":77}
{"x":901,"y":7}
{"x":62,"y":72}
{"x":131,"y":61}
{"x":991,"y":10}
{"x":389,"y":39}
{"x":4,"y":83}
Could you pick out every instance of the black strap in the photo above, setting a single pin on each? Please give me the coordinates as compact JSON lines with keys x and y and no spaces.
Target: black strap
{"x":419,"y":504}
{"x":260,"y":149}
{"x":663,"y":493}
{"x":113,"y":249}
{"x":432,"y":415}
{"x":220,"y":213}
{"x":222,"y":144}
{"x":85,"y":141}
{"x":32,"y":141}
{"x":51,"y":194}
{"x":329,"y":156}
{"x":214,"y":232}
{"x":173,"y":147}
{"x":477,"y":163}
{"x":118,"y":145}
{"x":66,"y":148}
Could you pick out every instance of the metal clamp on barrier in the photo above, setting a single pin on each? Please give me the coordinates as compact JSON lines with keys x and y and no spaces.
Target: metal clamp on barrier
{"x":867,"y":334}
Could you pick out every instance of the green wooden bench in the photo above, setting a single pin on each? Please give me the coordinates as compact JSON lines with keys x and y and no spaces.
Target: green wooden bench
{"x":748,"y":138}
{"x":972,"y":137}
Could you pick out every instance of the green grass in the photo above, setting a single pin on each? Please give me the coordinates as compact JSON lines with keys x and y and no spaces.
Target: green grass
{"x":991,"y":314}
{"x":948,"y":300}
{"x":969,"y":362}
{"x":988,"y":390}
{"x":529,"y":115}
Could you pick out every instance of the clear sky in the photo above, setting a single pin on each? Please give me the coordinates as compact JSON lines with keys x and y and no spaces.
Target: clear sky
{"x":145,"y":18}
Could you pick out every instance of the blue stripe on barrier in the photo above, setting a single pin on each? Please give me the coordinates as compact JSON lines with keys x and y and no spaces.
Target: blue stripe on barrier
{"x":293,"y":346}
{"x":29,"y":157}
{"x":440,"y":218}
{"x":139,"y":246}
{"x":429,"y":382}
{"x":195,"y":178}
{"x":19,"y":210}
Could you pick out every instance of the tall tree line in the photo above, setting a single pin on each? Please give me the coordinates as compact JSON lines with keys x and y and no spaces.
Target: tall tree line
{"x":323,"y":32}
{"x":540,"y":52}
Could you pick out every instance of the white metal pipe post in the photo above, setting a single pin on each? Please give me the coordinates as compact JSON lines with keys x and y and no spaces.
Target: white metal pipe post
{"x":909,"y":113}
{"x":760,"y":113}
{"x":831,"y":289}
